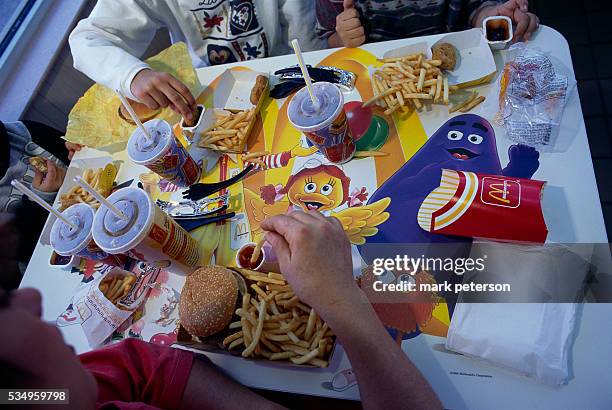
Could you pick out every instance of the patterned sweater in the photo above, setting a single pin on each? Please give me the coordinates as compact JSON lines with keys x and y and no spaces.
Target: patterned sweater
{"x":395,"y":19}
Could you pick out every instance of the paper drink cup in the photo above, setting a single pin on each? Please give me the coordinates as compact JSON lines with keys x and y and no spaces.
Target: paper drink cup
{"x":146,"y":234}
{"x":67,"y":241}
{"x":163,"y":154}
{"x":327,"y":128}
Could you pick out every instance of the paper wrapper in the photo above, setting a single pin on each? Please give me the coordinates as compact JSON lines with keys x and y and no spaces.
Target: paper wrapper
{"x":100,"y":316}
{"x":485,"y":206}
{"x":94,"y":120}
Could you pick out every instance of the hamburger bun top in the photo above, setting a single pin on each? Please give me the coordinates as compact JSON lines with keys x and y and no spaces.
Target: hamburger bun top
{"x":208,"y":300}
{"x":143,"y":112}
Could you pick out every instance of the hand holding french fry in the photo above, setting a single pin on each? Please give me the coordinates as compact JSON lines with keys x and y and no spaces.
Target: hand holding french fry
{"x":349,"y":30}
{"x":314,"y":255}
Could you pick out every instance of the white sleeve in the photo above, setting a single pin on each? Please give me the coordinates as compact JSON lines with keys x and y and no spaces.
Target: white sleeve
{"x":300,"y":20}
{"x":106,"y":45}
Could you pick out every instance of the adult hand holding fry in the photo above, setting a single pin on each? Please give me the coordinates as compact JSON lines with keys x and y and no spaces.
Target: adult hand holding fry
{"x":526,"y":23}
{"x":349,"y":30}
{"x":159,"y":90}
{"x":315,"y":258}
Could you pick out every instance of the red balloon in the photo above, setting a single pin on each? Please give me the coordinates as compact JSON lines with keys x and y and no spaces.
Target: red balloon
{"x":359,"y":118}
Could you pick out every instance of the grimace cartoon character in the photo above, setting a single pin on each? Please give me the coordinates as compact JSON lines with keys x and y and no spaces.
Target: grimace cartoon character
{"x":464,"y":143}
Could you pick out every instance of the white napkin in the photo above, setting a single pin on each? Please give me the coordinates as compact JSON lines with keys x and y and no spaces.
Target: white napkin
{"x":533,"y":339}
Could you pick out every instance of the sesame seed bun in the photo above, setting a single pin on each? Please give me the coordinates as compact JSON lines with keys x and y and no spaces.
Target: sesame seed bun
{"x":208,"y":300}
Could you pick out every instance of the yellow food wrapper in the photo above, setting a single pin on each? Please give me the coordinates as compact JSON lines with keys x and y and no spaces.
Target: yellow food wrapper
{"x":94,"y":119}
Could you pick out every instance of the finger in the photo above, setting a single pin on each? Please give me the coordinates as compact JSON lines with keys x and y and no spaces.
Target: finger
{"x":177,"y":102}
{"x":349,"y":15}
{"x":348,"y":4}
{"x":159,"y":98}
{"x":281,"y":224}
{"x":38,"y":178}
{"x":534,"y":22}
{"x":523,"y":4}
{"x":304,"y":217}
{"x":522,"y":22}
{"x":149,"y":101}
{"x":183,"y":91}
{"x":51,"y":173}
{"x":355,"y":33}
{"x":280,"y":246}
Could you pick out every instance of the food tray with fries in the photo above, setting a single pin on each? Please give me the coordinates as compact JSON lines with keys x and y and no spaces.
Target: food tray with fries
{"x":269,"y":323}
{"x":238,"y":98}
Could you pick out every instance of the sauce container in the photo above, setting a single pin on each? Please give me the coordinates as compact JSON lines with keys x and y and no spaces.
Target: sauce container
{"x":498,"y":31}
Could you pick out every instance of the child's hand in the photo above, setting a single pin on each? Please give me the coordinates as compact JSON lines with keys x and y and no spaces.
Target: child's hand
{"x":349,"y":30}
{"x":52,"y":180}
{"x":72,"y":148}
{"x":160,"y":90}
{"x":526,"y":23}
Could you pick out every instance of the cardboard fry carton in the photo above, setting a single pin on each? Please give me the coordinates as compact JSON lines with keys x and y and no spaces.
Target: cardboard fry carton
{"x":485,"y":206}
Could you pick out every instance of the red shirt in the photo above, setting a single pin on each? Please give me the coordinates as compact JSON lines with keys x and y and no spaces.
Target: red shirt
{"x":133,"y":374}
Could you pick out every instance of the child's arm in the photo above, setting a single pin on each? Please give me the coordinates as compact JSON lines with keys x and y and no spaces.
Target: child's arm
{"x":341,"y":27}
{"x":106,"y":46}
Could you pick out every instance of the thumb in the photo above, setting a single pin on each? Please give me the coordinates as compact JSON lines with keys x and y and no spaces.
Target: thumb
{"x":280,"y":246}
{"x":512,"y":5}
{"x":348,"y":4}
{"x":38,"y":177}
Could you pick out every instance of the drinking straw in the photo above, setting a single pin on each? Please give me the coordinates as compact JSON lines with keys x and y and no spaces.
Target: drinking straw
{"x":305,"y":74}
{"x":135,"y":118}
{"x":41,"y":202}
{"x":83,"y":184}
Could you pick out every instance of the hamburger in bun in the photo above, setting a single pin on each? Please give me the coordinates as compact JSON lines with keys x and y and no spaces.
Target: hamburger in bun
{"x":208,"y":300}
{"x":143,"y":112}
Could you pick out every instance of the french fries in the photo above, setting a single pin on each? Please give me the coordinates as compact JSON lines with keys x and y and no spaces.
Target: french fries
{"x":229,"y":132}
{"x":275,"y":325}
{"x":412,"y":81}
{"x":76,"y":194}
{"x":116,"y":287}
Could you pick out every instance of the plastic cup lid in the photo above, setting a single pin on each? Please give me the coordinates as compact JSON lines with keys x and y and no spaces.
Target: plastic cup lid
{"x":67,"y":240}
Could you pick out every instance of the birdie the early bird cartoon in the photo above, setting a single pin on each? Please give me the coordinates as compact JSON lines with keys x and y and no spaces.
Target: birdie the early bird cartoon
{"x":323,"y":188}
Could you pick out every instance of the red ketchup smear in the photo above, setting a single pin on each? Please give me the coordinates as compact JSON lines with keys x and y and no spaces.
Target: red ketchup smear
{"x":244,"y":257}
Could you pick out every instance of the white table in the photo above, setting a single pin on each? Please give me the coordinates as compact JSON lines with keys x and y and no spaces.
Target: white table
{"x":573,"y":215}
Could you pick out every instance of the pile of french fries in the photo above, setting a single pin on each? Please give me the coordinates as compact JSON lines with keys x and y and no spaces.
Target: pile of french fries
{"x":116,"y":287}
{"x":229,"y":132}
{"x":76,"y":194}
{"x":411,"y":81}
{"x":274,"y":324}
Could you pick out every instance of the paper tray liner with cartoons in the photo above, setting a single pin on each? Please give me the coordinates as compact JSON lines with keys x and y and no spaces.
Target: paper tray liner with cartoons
{"x":485,"y":206}
{"x":214,"y":343}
